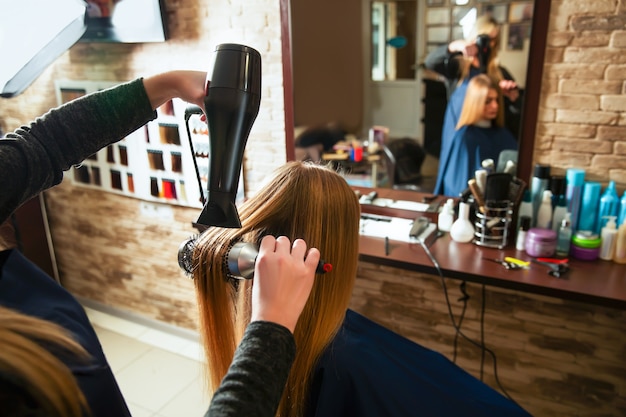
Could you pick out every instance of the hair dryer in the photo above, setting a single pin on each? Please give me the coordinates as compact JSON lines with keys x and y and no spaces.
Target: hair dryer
{"x":231,"y":104}
{"x":483,"y":43}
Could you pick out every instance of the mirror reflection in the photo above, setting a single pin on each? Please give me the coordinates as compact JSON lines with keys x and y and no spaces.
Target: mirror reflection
{"x":387,"y":57}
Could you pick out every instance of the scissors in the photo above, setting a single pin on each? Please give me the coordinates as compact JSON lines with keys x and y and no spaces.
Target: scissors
{"x":505,"y":264}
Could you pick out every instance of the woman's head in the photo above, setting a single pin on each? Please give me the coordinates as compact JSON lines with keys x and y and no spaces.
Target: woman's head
{"x":489,"y":26}
{"x":33,"y":381}
{"x":482,"y":102}
{"x":301,"y":200}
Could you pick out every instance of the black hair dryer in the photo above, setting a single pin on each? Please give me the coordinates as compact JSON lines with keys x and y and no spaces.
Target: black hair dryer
{"x":483,"y":43}
{"x":233,"y":97}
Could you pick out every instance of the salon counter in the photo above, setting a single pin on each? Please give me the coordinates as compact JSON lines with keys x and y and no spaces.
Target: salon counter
{"x":597,"y":282}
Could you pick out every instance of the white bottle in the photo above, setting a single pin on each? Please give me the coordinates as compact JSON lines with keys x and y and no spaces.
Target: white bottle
{"x":608,"y":235}
{"x":544,"y":214}
{"x":620,"y":245}
{"x":462,"y":229}
{"x":446,"y":217}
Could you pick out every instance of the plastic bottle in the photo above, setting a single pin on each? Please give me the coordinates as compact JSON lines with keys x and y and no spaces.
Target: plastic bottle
{"x":609,"y":206}
{"x":557,"y":186}
{"x":589,"y":206}
{"x":621,"y":219}
{"x":564,"y":238}
{"x":462,"y":229}
{"x":575,"y":179}
{"x":522,"y":231}
{"x":608,"y":234}
{"x":446,"y":217}
{"x":544,"y":213}
{"x":538,"y":184}
{"x":620,"y":245}
{"x":525,"y":208}
{"x":559,"y":213}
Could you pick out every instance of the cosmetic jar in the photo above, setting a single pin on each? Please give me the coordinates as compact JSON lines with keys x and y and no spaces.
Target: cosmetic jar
{"x":541,"y":242}
{"x":586,"y":246}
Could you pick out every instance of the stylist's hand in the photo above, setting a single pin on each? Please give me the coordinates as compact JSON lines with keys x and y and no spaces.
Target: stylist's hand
{"x":186,"y":85}
{"x":283,"y":279}
{"x":509,"y":89}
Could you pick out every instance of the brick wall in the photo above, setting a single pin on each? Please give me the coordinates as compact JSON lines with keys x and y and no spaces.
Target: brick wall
{"x":582,"y":115}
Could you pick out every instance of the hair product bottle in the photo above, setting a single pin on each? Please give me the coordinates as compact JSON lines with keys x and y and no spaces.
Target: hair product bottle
{"x":525,"y":208}
{"x":564,"y":237}
{"x":446,"y":217}
{"x":538,"y":184}
{"x":609,"y":206}
{"x":620,"y":245}
{"x":608,"y":234}
{"x":559,"y":212}
{"x":589,"y":207}
{"x":575,"y":179}
{"x":622,"y":211}
{"x":462,"y":229}
{"x":544,"y":214}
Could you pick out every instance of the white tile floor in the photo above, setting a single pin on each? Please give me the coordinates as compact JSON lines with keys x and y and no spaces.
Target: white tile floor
{"x":160,"y":374}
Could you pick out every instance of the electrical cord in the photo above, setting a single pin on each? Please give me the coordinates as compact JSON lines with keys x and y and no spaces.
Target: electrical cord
{"x":464,"y":299}
{"x":456,"y":326}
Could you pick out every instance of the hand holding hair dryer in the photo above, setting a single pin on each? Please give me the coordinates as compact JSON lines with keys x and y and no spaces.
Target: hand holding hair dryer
{"x":233,"y":98}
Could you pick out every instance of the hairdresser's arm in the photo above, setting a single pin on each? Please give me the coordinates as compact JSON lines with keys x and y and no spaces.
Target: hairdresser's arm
{"x":33,"y":158}
{"x":256,"y":378}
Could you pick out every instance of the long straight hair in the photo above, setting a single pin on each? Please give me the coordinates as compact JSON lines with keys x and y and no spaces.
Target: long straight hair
{"x":475,"y":99}
{"x":302,"y":200}
{"x":31,"y":376}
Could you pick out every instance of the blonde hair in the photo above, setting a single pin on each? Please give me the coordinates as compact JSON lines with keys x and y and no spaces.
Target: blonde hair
{"x":32,"y":378}
{"x":474,"y":102}
{"x":303,"y":200}
{"x":485,"y":25}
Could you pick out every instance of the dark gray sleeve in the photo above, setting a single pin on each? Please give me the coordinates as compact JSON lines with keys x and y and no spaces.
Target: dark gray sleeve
{"x":33,"y":158}
{"x":256,"y":378}
{"x":444,"y":62}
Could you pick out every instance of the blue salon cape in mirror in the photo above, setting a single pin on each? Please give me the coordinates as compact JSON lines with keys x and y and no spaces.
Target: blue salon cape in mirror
{"x":27,"y":289}
{"x":370,"y":371}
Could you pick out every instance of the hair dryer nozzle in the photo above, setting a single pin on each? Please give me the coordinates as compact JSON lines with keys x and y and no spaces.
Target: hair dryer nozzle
{"x":220,"y":211}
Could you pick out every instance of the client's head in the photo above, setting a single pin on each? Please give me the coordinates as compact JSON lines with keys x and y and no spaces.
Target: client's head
{"x":34,"y":382}
{"x":301,"y":200}
{"x":481,"y":103}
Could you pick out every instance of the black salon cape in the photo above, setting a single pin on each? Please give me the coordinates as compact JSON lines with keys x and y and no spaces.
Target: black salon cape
{"x":370,"y":371}
{"x":27,"y":289}
{"x":470,"y":146}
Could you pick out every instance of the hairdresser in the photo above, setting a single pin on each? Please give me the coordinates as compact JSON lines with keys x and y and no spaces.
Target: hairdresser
{"x":33,"y":158}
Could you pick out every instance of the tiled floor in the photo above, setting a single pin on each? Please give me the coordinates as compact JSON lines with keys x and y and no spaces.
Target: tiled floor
{"x":160,"y":374}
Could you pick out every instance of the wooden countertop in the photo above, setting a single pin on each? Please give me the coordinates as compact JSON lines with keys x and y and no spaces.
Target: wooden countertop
{"x":598,"y":282}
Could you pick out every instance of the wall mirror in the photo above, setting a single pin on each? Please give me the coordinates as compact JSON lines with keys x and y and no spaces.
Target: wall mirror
{"x":326,"y":52}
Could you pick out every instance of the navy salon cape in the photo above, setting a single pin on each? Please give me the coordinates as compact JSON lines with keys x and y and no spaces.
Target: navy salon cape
{"x":470,"y":146}
{"x":370,"y":371}
{"x":27,"y":289}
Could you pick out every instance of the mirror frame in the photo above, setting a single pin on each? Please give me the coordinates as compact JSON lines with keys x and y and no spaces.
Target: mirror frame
{"x":532,"y":93}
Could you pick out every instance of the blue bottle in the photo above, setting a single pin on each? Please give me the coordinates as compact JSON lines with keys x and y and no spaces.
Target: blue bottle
{"x":574,"y":178}
{"x":622,"y":211}
{"x":589,"y":206}
{"x":609,"y":206}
